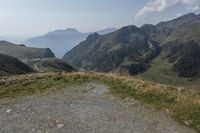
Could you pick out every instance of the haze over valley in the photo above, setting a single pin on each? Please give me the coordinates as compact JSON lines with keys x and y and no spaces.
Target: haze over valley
{"x":61,"y":41}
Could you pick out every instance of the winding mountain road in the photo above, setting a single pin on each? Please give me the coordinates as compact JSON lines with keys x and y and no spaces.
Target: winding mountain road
{"x":36,"y":66}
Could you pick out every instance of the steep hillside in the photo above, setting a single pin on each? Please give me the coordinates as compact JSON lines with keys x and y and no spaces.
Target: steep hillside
{"x":179,"y":40}
{"x":130,"y":49}
{"x":22,"y":52}
{"x":61,"y":41}
{"x":12,"y":66}
{"x":186,"y":58}
{"x":126,"y":50}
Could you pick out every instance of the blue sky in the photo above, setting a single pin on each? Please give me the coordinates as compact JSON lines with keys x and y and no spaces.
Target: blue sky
{"x":35,"y":17}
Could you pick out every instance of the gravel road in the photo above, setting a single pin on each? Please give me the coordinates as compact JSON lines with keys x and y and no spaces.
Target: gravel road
{"x":84,"y":109}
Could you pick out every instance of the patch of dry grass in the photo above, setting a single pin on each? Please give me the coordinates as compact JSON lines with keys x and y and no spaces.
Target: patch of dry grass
{"x":184,"y":105}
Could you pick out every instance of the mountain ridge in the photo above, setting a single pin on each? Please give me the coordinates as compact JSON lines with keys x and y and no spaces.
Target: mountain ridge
{"x":166,"y":39}
{"x":24,"y":53}
{"x":116,"y":47}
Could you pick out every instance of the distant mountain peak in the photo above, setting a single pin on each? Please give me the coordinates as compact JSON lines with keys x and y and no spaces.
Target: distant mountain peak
{"x":61,"y":41}
{"x":63,"y":32}
{"x":130,"y":28}
{"x":71,"y":30}
{"x":94,"y":35}
{"x":190,"y":14}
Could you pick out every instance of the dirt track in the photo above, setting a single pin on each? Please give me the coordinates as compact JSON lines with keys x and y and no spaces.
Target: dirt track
{"x":84,"y":109}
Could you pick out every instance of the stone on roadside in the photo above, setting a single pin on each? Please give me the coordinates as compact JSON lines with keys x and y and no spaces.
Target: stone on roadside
{"x":60,"y":125}
{"x":8,"y":111}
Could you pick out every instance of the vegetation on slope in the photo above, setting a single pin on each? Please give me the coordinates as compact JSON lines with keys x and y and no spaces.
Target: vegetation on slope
{"x":188,"y":64}
{"x":24,"y":53}
{"x":126,"y":50}
{"x":179,"y":41}
{"x":161,"y":71}
{"x":130,"y":49}
{"x":184,"y":105}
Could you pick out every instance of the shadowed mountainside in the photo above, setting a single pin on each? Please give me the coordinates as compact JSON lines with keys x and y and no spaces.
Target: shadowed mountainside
{"x":126,"y":50}
{"x":12,"y":66}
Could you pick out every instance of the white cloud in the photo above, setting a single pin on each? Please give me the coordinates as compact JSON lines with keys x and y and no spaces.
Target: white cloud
{"x":162,"y":5}
{"x":177,"y":15}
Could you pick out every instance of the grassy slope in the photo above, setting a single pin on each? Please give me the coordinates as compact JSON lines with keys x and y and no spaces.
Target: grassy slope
{"x":22,"y":53}
{"x":161,"y":71}
{"x":183,"y":105}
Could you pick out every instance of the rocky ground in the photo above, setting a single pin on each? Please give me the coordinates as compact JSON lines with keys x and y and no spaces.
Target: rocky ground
{"x":88,"y":108}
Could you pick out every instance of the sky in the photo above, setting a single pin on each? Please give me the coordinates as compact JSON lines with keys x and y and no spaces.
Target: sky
{"x":27,"y":18}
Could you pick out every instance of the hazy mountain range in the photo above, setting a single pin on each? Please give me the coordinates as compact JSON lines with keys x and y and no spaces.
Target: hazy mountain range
{"x":61,"y":41}
{"x":168,"y":49}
